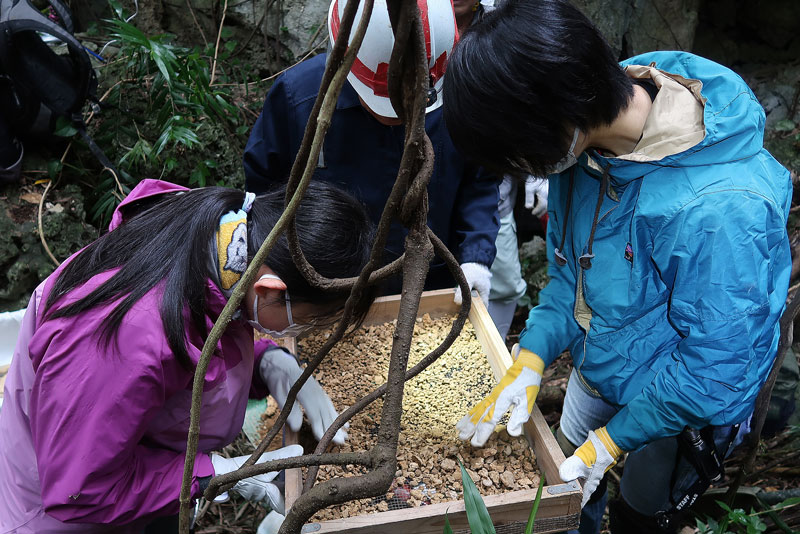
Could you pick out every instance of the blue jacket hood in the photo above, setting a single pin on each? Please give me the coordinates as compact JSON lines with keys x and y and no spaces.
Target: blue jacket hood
{"x":733,"y":117}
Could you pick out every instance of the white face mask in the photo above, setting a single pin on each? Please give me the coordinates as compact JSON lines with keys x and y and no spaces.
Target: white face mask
{"x":293,"y":330}
{"x":567,"y":161}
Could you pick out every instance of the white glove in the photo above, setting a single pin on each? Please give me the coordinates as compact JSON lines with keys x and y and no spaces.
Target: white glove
{"x":280,"y":370}
{"x":258,"y":488}
{"x":479,"y":279}
{"x":591,"y":461}
{"x":536,"y":195}
{"x":517,"y":391}
{"x":271,"y":524}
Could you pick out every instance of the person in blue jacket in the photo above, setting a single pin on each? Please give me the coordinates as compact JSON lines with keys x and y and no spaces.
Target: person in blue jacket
{"x":667,"y":243}
{"x":364,"y":144}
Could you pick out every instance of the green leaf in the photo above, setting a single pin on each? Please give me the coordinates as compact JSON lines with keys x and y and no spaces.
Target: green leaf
{"x":241,"y":130}
{"x":535,"y":508}
{"x":788,"y":502}
{"x":226,"y":33}
{"x":64,"y":128}
{"x":117,"y":7}
{"x":447,"y":528}
{"x":477,"y":514}
{"x":199,"y":175}
{"x":162,"y":65}
{"x":784,"y":125}
{"x":170,"y":164}
{"x":54,"y":166}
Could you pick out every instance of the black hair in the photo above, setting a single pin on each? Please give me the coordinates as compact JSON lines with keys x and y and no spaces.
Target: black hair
{"x":523,"y":77}
{"x":335,"y":234}
{"x":170,"y":241}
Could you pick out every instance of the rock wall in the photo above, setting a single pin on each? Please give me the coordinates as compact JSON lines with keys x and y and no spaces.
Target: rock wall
{"x":23,"y":261}
{"x":283,"y":30}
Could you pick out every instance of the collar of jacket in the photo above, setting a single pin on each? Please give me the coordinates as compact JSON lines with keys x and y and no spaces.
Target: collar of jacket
{"x":348,"y":98}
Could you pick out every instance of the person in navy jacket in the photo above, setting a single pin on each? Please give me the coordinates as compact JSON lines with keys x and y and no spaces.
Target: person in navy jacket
{"x":364,"y":145}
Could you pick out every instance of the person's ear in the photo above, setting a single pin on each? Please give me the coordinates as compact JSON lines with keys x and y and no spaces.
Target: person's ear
{"x":269,"y":287}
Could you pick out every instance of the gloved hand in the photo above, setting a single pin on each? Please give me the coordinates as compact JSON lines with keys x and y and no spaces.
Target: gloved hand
{"x":258,"y":488}
{"x":517,"y":390}
{"x":536,"y":195}
{"x":271,"y":523}
{"x":478,"y":278}
{"x":591,"y":460}
{"x":280,"y":370}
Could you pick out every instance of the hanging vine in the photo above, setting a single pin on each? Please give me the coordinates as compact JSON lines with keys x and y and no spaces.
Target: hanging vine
{"x":408,"y":203}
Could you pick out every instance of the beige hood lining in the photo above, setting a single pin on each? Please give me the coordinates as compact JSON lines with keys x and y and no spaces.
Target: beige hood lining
{"x":675,"y":122}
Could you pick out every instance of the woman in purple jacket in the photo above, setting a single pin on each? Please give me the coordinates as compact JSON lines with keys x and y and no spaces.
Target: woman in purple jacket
{"x":96,"y":405}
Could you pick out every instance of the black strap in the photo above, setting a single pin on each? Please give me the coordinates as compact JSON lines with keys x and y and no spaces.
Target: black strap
{"x":98,"y":153}
{"x":666,"y":519}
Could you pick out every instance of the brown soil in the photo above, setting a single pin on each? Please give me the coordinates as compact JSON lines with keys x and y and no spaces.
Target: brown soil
{"x":429,"y":449}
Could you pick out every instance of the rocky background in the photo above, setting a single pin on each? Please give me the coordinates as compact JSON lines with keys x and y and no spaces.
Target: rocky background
{"x":760,"y":40}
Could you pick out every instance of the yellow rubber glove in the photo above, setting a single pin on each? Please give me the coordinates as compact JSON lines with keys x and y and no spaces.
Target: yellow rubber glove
{"x":591,"y":460}
{"x":517,"y":391}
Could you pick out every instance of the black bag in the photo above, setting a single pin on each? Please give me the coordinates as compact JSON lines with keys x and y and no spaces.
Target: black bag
{"x":37,"y":85}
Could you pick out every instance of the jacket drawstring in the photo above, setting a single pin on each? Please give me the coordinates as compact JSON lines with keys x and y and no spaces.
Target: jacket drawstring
{"x":561,"y":260}
{"x":586,"y":259}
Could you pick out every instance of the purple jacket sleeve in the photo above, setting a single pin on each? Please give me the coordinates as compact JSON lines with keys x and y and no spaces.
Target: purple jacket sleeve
{"x":89,"y":414}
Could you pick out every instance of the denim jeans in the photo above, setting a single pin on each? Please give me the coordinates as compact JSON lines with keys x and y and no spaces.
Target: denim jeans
{"x":653,"y":477}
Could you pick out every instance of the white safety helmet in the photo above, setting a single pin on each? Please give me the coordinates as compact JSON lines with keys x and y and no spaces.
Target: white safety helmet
{"x":369,"y":73}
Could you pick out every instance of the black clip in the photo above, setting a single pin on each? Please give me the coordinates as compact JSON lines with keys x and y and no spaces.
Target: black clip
{"x":432,"y":95}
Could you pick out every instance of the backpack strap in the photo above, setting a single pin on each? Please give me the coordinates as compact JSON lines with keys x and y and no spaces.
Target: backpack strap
{"x":60,"y":82}
{"x":64,"y":14}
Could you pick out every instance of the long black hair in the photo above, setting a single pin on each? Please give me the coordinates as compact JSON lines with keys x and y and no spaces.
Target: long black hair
{"x":170,"y":242}
{"x":523,"y":77}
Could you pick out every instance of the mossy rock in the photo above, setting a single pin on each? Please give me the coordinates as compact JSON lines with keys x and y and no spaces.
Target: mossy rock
{"x":25,"y":262}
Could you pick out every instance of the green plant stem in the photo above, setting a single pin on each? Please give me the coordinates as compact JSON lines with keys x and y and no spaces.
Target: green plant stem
{"x":535,"y":508}
{"x":196,"y":23}
{"x":216,"y":46}
{"x":776,"y":509}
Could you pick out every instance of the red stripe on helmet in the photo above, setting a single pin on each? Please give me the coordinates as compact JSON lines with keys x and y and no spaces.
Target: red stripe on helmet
{"x":335,"y":22}
{"x":377,"y":80}
{"x":437,"y":71}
